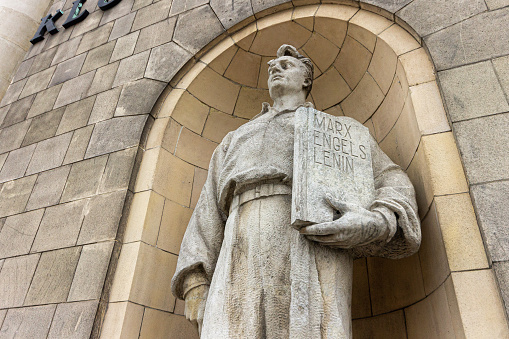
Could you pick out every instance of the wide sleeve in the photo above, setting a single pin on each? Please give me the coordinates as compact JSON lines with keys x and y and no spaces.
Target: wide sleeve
{"x":204,"y":234}
{"x":395,"y":200}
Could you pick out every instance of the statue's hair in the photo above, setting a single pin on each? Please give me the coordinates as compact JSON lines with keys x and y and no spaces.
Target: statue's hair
{"x":289,"y":50}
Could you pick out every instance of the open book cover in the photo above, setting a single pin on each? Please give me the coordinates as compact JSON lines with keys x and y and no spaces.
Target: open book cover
{"x":332,"y":155}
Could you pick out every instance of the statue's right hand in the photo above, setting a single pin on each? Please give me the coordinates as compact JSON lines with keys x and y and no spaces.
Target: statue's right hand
{"x":195,"y":301}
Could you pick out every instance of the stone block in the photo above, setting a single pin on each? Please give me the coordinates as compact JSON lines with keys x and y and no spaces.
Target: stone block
{"x":170,"y":137}
{"x":84,"y":178}
{"x":67,"y":70}
{"x":16,"y":163}
{"x":3,"y":112}
{"x":196,"y":28}
{"x":179,"y":6}
{"x":165,"y":61}
{"x":44,"y":101}
{"x":244,"y":67}
{"x":149,"y":15}
{"x":264,"y":7}
{"x":478,"y":38}
{"x":496,"y":4}
{"x":12,"y":136}
{"x":139,"y":97}
{"x":200,"y":175}
{"x":140,"y":4}
{"x":480,"y":150}
{"x":98,"y":57}
{"x":502,"y":70}
{"x":76,"y":115}
{"x":90,"y":23}
{"x":361,"y":303}
{"x":191,"y":112}
{"x":14,"y":195}
{"x":155,"y":35}
{"x":502,"y":274}
{"x":226,"y":14}
{"x":28,"y":322}
{"x":49,"y":153}
{"x":17,"y":112}
{"x":472,"y":91}
{"x":73,"y":320}
{"x":144,"y":218}
{"x":103,"y":217}
{"x":48,"y":188}
{"x":18,"y":233}
{"x":219,"y":124}
{"x":446,"y":13}
{"x":43,"y":127}
{"x":53,"y":277}
{"x":390,"y":325}
{"x":194,"y":149}
{"x":37,"y":82}
{"x":383,"y":65}
{"x":42,"y":61}
{"x":124,"y":273}
{"x":60,"y":226}
{"x":429,"y":108}
{"x":124,"y":46}
{"x":13,"y":92}
{"x":157,"y":324}
{"x":95,"y":38}
{"x":115,"y":134}
{"x":15,"y":279}
{"x":23,"y":69}
{"x":91,"y":271}
{"x":490,"y":202}
{"x":122,"y":26}
{"x":74,"y":89}
{"x":103,"y":78}
{"x":2,"y":312}
{"x":78,"y":145}
{"x":352,"y":61}
{"x":122,"y":9}
{"x":104,"y":106}
{"x":123,"y":320}
{"x":67,"y":50}
{"x":173,"y":226}
{"x":118,"y":171}
{"x":361,"y":104}
{"x":131,"y":68}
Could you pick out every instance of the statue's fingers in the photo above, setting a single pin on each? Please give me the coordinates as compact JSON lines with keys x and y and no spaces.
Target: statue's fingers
{"x":326,"y":228}
{"x":325,"y":239}
{"x":338,"y":204}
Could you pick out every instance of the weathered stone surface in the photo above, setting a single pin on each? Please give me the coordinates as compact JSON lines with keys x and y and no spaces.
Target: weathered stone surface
{"x":502,"y":69}
{"x":28,"y":322}
{"x":78,"y":145}
{"x":120,"y":10}
{"x":165,"y":61}
{"x":103,"y":78}
{"x":490,"y":202}
{"x":157,"y":324}
{"x":231,"y":13}
{"x":48,"y":188}
{"x":95,"y":38}
{"x":91,"y":22}
{"x":84,"y":179}
{"x":104,"y":106}
{"x":140,"y":4}
{"x":68,"y":70}
{"x":12,"y":136}
{"x":49,"y":153}
{"x":66,"y":50}
{"x":131,"y":68}
{"x":139,"y":97}
{"x":3,"y":112}
{"x":502,"y":274}
{"x":196,"y":28}
{"x":89,"y":277}
{"x":103,"y":217}
{"x":98,"y":57}
{"x":60,"y":226}
{"x":74,"y":89}
{"x":44,"y":101}
{"x":43,"y":126}
{"x":16,"y":163}
{"x":18,"y":233}
{"x":15,"y":279}
{"x":73,"y":320}
{"x":389,"y":5}
{"x":151,"y":14}
{"x":480,"y":151}
{"x":53,"y":277}
{"x":155,"y":35}
{"x":261,"y":5}
{"x":179,"y":6}
{"x":42,"y":61}
{"x":23,"y":69}
{"x":472,"y":91}
{"x":495,"y":4}
{"x":443,"y":13}
{"x":14,"y":195}
{"x":13,"y":92}
{"x":122,"y":26}
{"x":17,"y":112}
{"x":390,"y":325}
{"x":76,"y":115}
{"x":37,"y":82}
{"x":124,"y":46}
{"x":475,"y":39}
{"x":118,"y":170}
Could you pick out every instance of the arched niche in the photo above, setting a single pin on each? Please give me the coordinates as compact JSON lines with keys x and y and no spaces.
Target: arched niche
{"x":368,"y":68}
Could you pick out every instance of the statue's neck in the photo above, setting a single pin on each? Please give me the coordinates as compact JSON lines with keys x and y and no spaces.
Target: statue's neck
{"x":288,"y":102}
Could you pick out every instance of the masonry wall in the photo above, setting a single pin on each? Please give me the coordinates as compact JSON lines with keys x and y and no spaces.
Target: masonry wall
{"x":73,"y":121}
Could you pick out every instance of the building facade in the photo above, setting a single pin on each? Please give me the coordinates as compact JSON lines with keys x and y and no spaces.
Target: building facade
{"x":107,"y":127}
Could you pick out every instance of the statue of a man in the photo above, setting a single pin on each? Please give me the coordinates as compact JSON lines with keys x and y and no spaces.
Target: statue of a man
{"x":243,"y":270}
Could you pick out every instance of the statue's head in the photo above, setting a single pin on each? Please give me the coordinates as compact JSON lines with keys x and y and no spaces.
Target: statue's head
{"x":290,"y":71}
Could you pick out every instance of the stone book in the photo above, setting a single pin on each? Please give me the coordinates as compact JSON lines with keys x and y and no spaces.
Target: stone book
{"x":332,"y":156}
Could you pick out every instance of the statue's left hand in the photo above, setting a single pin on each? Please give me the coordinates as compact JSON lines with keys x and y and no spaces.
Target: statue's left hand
{"x":357,"y":226}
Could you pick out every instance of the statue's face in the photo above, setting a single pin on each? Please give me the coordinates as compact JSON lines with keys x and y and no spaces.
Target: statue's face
{"x":286,"y":75}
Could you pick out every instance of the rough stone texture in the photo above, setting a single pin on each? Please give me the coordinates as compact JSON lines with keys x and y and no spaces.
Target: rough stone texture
{"x":138,"y":97}
{"x":43,"y":126}
{"x":165,"y":61}
{"x":480,"y":150}
{"x":228,"y":17}
{"x":104,"y":106}
{"x":67,"y":70}
{"x":18,"y":111}
{"x":95,"y":38}
{"x":84,"y":179}
{"x":43,"y":61}
{"x":389,"y":5}
{"x":16,"y":163}
{"x":124,"y":46}
{"x":475,"y":39}
{"x":13,"y":92}
{"x":15,"y":279}
{"x":122,"y":26}
{"x":49,"y":153}
{"x":156,"y":34}
{"x":53,"y":277}
{"x":131,"y":68}
{"x":103,"y":78}
{"x":89,"y":277}
{"x":74,"y":89}
{"x":98,"y":57}
{"x":76,"y":115}
{"x":151,"y":14}
{"x":66,"y":50}
{"x":12,"y":136}
{"x":91,"y":22}
{"x":14,"y":195}
{"x":73,"y":320}
{"x":502,"y":70}
{"x":472,"y":91}
{"x":441,"y":14}
{"x":196,"y":28}
{"x":48,"y":188}
{"x":502,"y":274}
{"x":60,"y":226}
{"x":18,"y":233}
{"x":490,"y":201}
{"x":44,"y":101}
{"x":28,"y":322}
{"x":37,"y":82}
{"x":118,"y":170}
{"x":120,"y":10}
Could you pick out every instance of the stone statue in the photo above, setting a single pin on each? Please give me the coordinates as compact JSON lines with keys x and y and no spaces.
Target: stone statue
{"x":243,"y":270}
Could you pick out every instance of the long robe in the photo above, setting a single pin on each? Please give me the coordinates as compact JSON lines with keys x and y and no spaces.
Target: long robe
{"x":266,"y":280}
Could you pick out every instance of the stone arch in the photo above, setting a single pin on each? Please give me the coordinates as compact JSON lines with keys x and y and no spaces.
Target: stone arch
{"x":369,"y":68}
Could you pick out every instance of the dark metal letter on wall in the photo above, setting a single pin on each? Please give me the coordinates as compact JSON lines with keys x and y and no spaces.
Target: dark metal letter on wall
{"x":47,"y":25}
{"x":76,"y":15}
{"x":104,"y":5}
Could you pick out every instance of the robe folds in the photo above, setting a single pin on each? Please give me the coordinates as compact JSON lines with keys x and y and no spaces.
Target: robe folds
{"x":266,"y":279}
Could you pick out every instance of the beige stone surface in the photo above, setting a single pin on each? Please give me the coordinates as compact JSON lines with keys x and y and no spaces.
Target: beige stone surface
{"x":330,"y":21}
{"x":144,"y":217}
{"x":370,"y":21}
{"x":18,"y":233}
{"x":220,"y":63}
{"x":73,"y":320}
{"x":14,"y":195}
{"x":390,"y":109}
{"x":15,"y":278}
{"x":219,"y":124}
{"x":390,"y":325}
{"x":122,"y":320}
{"x":27,"y":322}
{"x":399,"y":40}
{"x":321,"y":51}
{"x":190,"y":112}
{"x":157,"y":324}
{"x":352,"y":61}
{"x":244,"y":68}
{"x":194,"y":149}
{"x":429,"y":108}
{"x":329,"y":89}
{"x":268,"y":40}
{"x":419,"y":173}
{"x":173,"y":225}
{"x":171,"y":135}
{"x":418,"y":67}
{"x":383,"y":65}
{"x":171,"y":170}
{"x":249,"y":103}
{"x":200,"y":175}
{"x":304,"y":15}
{"x":364,"y":100}
{"x":124,"y":273}
{"x":361,"y":303}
